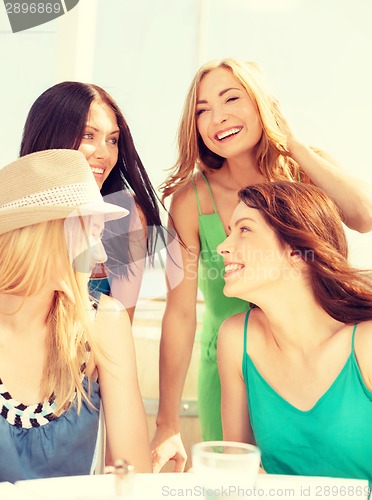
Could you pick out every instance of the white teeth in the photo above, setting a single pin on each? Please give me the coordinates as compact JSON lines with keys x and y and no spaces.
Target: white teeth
{"x":227,"y":133}
{"x":232,"y":267}
{"x":96,"y":170}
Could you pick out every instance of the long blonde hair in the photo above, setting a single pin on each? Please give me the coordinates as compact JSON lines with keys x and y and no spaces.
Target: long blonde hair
{"x":30,"y":258}
{"x":272,"y":156}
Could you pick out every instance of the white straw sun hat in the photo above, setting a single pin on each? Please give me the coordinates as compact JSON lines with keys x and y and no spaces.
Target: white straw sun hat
{"x":50,"y":185}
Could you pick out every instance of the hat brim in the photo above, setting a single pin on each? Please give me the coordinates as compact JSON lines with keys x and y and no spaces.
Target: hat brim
{"x":16,"y":218}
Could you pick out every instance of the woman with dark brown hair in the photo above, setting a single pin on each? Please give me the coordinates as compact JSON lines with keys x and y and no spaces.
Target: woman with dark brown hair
{"x":303,"y":392}
{"x":76,"y":115}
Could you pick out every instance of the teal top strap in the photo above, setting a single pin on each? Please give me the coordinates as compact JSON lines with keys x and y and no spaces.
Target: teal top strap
{"x":245,"y":330}
{"x":353,"y":337}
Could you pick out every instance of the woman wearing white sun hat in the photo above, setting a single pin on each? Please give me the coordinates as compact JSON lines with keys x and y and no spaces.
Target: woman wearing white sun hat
{"x":59,"y":353}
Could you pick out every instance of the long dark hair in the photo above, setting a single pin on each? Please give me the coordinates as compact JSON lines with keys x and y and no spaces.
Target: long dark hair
{"x":57,"y":120}
{"x":305,"y":218}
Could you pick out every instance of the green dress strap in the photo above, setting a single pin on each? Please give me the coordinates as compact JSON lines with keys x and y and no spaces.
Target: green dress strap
{"x":197,"y":197}
{"x":210,"y":194}
{"x":217,"y":307}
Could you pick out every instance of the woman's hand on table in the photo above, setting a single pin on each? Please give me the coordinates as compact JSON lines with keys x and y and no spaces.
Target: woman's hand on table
{"x":165,"y":448}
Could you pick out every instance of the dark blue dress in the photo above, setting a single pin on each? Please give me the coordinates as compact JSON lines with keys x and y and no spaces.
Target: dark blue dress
{"x":36,"y":444}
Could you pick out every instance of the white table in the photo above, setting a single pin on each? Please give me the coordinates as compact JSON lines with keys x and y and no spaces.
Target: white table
{"x":168,"y":485}
{"x":10,"y":492}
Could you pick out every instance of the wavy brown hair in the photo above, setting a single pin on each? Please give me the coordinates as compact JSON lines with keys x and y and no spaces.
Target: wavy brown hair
{"x":272,"y":156}
{"x":305,"y":218}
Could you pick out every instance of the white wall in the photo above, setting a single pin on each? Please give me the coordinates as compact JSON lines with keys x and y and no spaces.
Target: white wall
{"x":316,"y":54}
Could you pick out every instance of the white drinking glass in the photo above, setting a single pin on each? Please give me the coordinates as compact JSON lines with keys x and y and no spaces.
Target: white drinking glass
{"x":225,"y":469}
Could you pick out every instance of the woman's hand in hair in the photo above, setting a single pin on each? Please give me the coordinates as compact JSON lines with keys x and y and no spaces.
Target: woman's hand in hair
{"x":291,"y":140}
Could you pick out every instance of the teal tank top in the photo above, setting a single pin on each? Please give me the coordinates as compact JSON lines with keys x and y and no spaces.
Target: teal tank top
{"x":211,"y":282}
{"x":333,"y":439}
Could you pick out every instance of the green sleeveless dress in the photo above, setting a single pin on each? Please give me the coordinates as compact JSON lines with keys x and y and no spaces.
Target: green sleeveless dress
{"x":217,"y":309}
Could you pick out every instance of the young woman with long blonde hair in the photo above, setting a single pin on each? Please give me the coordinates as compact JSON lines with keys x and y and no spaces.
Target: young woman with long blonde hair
{"x":61,"y":354}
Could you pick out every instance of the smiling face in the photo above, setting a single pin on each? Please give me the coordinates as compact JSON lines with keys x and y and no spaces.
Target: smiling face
{"x":254,"y":257}
{"x":99,"y":144}
{"x":83,"y":237}
{"x":226,"y":117}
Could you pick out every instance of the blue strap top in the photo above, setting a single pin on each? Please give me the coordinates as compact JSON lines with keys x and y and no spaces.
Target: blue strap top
{"x":333,"y":438}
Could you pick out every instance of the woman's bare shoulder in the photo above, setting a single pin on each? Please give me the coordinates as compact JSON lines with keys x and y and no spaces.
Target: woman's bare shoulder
{"x":107,"y":303}
{"x":112,"y":325}
{"x":184,"y":211}
{"x":196,"y":186}
{"x":110,"y":311}
{"x":256,"y":319}
{"x":233,"y":323}
{"x":184,"y":194}
{"x":363,"y":337}
{"x":364,"y":331}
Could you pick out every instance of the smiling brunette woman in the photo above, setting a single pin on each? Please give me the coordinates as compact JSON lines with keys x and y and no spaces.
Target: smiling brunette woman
{"x":75,"y":115}
{"x":232,"y":134}
{"x":296,"y":370}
